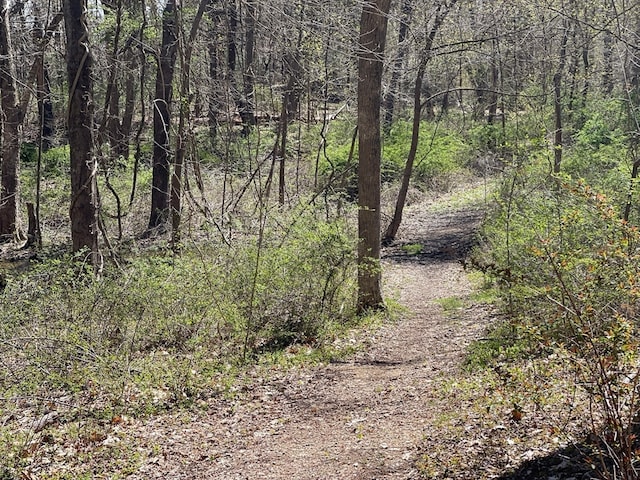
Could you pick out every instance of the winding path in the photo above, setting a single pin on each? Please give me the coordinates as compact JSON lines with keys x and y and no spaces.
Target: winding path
{"x":363,"y":418}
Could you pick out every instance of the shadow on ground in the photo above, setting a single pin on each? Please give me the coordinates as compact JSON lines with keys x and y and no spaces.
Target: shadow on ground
{"x":446,"y":237}
{"x":569,"y":463}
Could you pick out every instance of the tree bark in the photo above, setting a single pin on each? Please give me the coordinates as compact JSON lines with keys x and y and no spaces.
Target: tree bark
{"x":396,"y":220}
{"x":390,"y":98}
{"x":11,"y":122}
{"x":162,"y":118}
{"x":246,"y":105}
{"x":214,"y":67}
{"x":557,"y":101}
{"x":83,"y":210}
{"x":185,"y":104}
{"x":290,"y":103}
{"x":373,"y":30}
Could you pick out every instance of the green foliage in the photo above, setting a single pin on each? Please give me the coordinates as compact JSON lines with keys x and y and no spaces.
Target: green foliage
{"x":28,"y":154}
{"x":55,"y":161}
{"x":505,"y":342}
{"x":299,"y":282}
{"x":62,"y":326}
{"x":450,"y":304}
{"x":571,"y":269}
{"x":600,"y":156}
{"x":440,"y":153}
{"x":412,"y":248}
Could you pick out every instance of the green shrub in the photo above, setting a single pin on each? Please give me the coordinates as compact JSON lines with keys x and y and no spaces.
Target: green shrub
{"x":440,"y":153}
{"x":61,"y":326}
{"x":571,"y":269}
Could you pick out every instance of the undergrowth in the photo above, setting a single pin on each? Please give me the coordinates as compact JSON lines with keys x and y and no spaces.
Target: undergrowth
{"x":165,"y":330}
{"x":568,"y":268}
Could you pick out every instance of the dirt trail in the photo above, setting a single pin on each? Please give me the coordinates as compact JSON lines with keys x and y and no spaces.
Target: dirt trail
{"x":363,"y":418}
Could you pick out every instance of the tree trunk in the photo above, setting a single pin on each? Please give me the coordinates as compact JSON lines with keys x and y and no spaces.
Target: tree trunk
{"x":290,"y":103}
{"x":11,"y":122}
{"x":83,"y":208}
{"x":390,"y":98}
{"x":124,"y":137}
{"x":246,"y":105}
{"x":557,"y":102}
{"x":162,"y":118}
{"x":185,"y":111}
{"x":607,"y":59}
{"x":45,"y":109}
{"x":394,"y":225}
{"x":214,"y":67}
{"x":373,"y":30}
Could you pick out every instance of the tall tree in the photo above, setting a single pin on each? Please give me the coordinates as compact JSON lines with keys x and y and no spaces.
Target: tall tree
{"x":186,"y":50}
{"x":11,"y":122}
{"x":246,"y":105}
{"x":373,"y":32}
{"x":442,"y":10}
{"x":162,"y":118}
{"x":398,"y":62}
{"x":83,"y":210}
{"x":557,"y":99}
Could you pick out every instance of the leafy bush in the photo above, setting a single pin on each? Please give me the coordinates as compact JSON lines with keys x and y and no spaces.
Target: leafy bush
{"x":290,"y":288}
{"x":571,"y":269}
{"x":156,"y":331}
{"x":440,"y":153}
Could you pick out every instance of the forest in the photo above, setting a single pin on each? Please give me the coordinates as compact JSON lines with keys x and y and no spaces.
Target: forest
{"x":214,"y":210}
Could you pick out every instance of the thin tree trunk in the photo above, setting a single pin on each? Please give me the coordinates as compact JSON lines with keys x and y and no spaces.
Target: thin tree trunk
{"x":607,"y":58}
{"x":214,"y":66}
{"x":162,"y":118}
{"x":396,"y":220}
{"x":373,"y":31}
{"x":394,"y":225}
{"x":45,"y":109}
{"x":185,"y":104}
{"x":83,"y":211}
{"x":124,"y":130}
{"x":557,"y":102}
{"x":390,"y":98}
{"x":290,"y":103}
{"x":246,"y":105}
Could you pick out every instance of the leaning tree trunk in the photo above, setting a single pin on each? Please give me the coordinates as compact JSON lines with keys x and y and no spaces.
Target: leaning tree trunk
{"x":162,"y":119}
{"x":373,"y":31}
{"x":11,"y":121}
{"x":83,"y":209}
{"x":394,"y":225}
{"x":392,"y":230}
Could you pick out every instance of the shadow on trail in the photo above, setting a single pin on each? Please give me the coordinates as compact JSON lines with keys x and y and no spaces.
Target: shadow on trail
{"x":437,"y":237}
{"x":563,"y":464}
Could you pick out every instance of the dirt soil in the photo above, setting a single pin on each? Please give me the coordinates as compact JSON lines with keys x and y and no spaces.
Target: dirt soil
{"x":361,"y":418}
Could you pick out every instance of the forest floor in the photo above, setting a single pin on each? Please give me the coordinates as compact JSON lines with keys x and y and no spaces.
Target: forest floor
{"x":402,"y":407}
{"x":363,"y":417}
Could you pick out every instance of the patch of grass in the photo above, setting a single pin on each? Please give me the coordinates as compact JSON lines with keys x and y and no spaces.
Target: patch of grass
{"x":412,"y":248}
{"x":504,"y":342}
{"x":460,"y":199}
{"x":451,"y":304}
